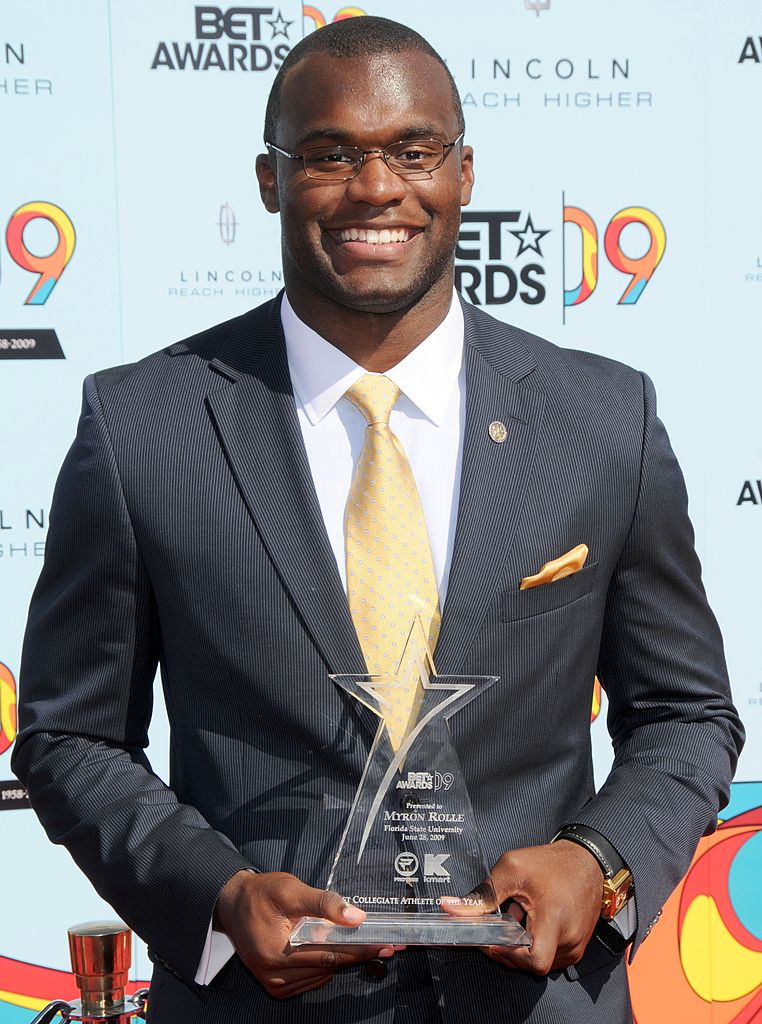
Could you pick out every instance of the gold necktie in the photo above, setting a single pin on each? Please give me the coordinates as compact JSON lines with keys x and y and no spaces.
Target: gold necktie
{"x":390,"y":571}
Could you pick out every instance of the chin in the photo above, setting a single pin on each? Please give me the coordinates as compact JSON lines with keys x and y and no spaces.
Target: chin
{"x":377,"y":296}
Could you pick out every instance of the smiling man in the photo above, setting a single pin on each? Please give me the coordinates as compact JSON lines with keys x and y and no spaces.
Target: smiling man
{"x":538,"y":528}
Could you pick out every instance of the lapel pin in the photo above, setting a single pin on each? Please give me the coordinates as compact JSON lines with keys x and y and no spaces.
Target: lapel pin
{"x":497,"y":431}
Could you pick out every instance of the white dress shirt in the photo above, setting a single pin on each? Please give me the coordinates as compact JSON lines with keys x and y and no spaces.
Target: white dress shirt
{"x":429,"y":420}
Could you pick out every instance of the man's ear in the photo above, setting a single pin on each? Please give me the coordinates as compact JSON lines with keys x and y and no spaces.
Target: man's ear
{"x":466,"y":175}
{"x":268,"y":182}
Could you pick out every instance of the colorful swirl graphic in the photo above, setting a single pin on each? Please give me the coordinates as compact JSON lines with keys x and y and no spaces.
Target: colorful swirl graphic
{"x":7,"y":708}
{"x":28,"y":987}
{"x":49,"y":267}
{"x":319,"y":20}
{"x":643,"y":267}
{"x":586,"y":225}
{"x":703,"y":962}
{"x":349,"y":12}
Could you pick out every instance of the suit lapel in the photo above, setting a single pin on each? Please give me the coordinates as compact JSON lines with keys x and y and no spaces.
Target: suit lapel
{"x":494,"y":478}
{"x":258,"y":428}
{"x":256,"y":422}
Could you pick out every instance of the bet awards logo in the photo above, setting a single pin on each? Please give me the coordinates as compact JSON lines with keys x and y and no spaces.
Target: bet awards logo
{"x":33,"y":254}
{"x":314,"y":18}
{"x":751,"y":50}
{"x":231,"y":39}
{"x":500,"y":258}
{"x":425,"y":780}
{"x":751,"y":493}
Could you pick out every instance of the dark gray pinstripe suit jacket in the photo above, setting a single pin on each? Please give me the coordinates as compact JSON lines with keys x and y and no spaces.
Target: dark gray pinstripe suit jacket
{"x":185,"y":529}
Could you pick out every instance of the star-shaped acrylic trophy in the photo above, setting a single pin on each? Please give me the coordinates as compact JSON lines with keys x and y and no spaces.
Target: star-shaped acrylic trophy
{"x":410,"y":855}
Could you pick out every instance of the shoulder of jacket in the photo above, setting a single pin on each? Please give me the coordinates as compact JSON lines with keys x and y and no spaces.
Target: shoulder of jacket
{"x":181,"y":359}
{"x":554,"y":363}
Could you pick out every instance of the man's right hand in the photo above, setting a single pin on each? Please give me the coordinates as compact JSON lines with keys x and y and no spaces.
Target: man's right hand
{"x":258,"y":913}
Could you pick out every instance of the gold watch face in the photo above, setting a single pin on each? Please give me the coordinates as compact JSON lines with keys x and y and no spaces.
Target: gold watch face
{"x":616,"y":892}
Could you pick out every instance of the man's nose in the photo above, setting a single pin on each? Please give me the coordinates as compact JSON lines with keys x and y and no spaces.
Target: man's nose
{"x":375,"y":184}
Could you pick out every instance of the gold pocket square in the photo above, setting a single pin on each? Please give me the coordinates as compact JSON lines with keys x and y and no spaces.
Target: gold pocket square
{"x":557,"y":568}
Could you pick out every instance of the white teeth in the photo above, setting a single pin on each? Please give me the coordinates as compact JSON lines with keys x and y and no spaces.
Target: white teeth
{"x":382,"y":237}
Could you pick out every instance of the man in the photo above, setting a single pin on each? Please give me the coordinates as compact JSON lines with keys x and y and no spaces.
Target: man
{"x":199,"y":522}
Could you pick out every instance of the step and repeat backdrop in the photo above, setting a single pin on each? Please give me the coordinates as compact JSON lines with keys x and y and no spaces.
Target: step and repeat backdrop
{"x":617,"y":209}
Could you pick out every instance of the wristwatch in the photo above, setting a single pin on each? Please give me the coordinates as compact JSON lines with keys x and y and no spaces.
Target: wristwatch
{"x":617,"y":878}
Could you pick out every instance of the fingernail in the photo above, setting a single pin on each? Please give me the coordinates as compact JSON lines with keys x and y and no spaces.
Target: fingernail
{"x":386,"y":951}
{"x":353,"y":914}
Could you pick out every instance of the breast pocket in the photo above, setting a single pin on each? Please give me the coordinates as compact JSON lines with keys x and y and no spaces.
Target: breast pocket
{"x":522,"y":604}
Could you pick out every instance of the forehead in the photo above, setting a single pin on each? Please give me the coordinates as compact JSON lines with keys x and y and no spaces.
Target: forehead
{"x":377,"y":97}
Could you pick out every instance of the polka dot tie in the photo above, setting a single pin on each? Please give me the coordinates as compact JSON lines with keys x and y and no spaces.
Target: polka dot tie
{"x":390,"y":571}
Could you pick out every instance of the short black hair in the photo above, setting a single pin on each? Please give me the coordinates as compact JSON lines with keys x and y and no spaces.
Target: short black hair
{"x":362,"y":36}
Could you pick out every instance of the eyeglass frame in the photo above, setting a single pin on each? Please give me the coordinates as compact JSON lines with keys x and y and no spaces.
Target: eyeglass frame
{"x":447,"y":147}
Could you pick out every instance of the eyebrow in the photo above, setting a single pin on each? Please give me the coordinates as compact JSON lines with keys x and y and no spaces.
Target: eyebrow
{"x":341,"y":136}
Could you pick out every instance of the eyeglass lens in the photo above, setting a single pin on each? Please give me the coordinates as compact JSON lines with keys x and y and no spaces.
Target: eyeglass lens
{"x":405,"y":158}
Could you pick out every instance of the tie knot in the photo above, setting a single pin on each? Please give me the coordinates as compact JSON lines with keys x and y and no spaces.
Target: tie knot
{"x":374,"y":395}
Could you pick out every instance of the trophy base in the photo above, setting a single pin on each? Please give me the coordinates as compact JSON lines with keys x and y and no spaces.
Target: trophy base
{"x":412,"y":930}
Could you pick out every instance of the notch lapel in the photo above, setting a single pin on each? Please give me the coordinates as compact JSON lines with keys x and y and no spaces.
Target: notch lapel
{"x":494,"y":479}
{"x":257,"y":424}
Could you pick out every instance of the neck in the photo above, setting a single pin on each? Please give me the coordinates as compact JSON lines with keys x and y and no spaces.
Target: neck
{"x":377,"y":341}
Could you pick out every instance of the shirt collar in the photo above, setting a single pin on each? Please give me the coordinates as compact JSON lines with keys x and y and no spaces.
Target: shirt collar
{"x":321,"y":373}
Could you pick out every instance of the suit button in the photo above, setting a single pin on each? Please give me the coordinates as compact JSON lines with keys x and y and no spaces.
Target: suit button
{"x":376,"y":968}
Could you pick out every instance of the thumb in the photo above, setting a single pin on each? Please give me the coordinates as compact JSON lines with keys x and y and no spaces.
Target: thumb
{"x":331,"y":907}
{"x":481,"y":900}
{"x":507,"y":878}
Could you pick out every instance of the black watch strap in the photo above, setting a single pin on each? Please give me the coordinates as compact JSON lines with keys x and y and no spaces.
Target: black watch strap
{"x":610,"y":861}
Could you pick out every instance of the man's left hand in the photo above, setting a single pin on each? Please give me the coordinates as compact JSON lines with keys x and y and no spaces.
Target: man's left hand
{"x":559,"y":887}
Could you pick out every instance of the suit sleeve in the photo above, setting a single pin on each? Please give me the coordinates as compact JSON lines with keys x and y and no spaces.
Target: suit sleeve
{"x":89,"y":659}
{"x":675,"y":732}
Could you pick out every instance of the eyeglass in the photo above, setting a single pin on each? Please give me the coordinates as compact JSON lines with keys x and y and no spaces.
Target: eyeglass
{"x":411,"y":159}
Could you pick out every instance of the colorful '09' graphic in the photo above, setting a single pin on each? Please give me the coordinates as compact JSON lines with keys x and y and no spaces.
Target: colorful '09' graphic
{"x":643,"y":267}
{"x":7,"y":708}
{"x":49,"y":267}
{"x":640,"y":268}
{"x":319,"y":19}
{"x":589,"y":232}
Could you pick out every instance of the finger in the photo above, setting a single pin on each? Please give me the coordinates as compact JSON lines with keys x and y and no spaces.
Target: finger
{"x":508,"y":877}
{"x":292,"y":978}
{"x":516,"y":911}
{"x":539,"y":958}
{"x":331,"y":957}
{"x":476,"y":903}
{"x":513,"y":958}
{"x":331,"y":907}
{"x":284,"y":988}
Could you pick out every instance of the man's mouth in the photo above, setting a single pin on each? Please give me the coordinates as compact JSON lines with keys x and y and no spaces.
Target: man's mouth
{"x":372,"y":236}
